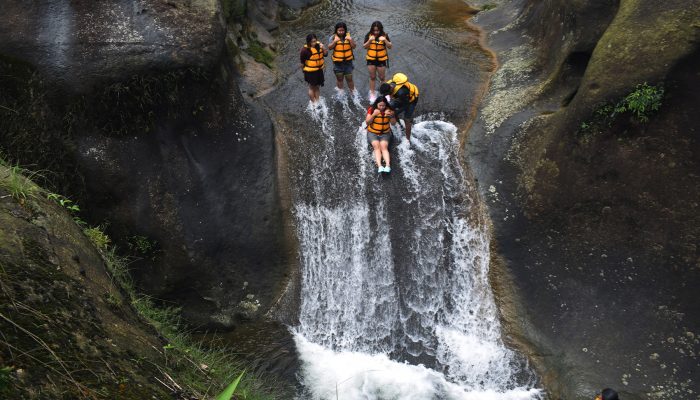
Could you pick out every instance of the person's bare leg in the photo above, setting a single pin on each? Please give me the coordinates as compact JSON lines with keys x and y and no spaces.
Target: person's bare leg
{"x":372,"y":69}
{"x":382,"y":73}
{"x":377,"y":153}
{"x":311,"y":94}
{"x":408,"y":123}
{"x":317,"y":93}
{"x":384,"y":145}
{"x":351,"y":83}
{"x":339,"y":81}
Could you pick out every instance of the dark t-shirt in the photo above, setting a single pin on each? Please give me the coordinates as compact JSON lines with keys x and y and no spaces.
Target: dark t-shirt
{"x":401,"y":98}
{"x":305,"y":54}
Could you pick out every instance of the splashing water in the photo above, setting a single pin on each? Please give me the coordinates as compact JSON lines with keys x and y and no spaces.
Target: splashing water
{"x":396,"y":306}
{"x":319,"y":113}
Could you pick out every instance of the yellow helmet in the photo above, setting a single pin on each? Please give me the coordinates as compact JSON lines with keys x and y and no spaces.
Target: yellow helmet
{"x":399,"y":78}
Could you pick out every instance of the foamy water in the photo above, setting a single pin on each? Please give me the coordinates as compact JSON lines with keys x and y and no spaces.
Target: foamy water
{"x":347,"y":375}
{"x":367,"y":310}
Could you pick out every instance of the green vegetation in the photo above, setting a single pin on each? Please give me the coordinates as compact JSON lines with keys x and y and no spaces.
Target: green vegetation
{"x":487,"y":7}
{"x":260,"y":54}
{"x":197,"y":368}
{"x":68,"y":204}
{"x":640,"y":104}
{"x":98,"y":237}
{"x":5,"y":380}
{"x":19,"y":186}
{"x":228,"y":393}
{"x":143,"y":247}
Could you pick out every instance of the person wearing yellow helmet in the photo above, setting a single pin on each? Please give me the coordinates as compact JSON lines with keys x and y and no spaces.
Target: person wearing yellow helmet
{"x":342,"y":44}
{"x":404,"y":97}
{"x":376,"y":42}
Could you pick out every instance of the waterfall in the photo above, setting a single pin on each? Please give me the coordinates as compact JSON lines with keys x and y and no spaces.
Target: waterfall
{"x":396,"y":302}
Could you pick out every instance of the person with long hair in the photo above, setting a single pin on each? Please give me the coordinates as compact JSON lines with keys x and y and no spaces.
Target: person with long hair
{"x":376,"y":42}
{"x":378,"y":119}
{"x":311,"y":58}
{"x":342,"y":44}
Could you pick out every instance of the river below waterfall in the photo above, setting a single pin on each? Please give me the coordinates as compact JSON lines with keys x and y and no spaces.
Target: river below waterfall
{"x":395,"y":295}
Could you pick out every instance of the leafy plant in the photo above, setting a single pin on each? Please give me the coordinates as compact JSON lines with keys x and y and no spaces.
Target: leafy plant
{"x":230,"y":389}
{"x":642,"y":102}
{"x":488,"y":6}
{"x":142,"y":244}
{"x":98,"y":237}
{"x":68,"y":204}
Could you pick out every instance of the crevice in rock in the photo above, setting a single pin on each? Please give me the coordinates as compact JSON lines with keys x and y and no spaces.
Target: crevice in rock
{"x":571,"y":72}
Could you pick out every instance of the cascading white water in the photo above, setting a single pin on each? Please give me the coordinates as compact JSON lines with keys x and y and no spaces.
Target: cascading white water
{"x":395,"y":306}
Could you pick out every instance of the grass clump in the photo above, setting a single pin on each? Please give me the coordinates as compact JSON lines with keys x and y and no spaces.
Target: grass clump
{"x":15,"y":182}
{"x":18,"y":181}
{"x":203,"y":370}
{"x":487,"y":7}
{"x":260,"y":54}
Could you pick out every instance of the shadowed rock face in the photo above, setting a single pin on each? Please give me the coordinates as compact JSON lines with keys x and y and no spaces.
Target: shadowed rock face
{"x":77,"y":43}
{"x":164,"y":145}
{"x":598,"y":226}
{"x":61,"y":311}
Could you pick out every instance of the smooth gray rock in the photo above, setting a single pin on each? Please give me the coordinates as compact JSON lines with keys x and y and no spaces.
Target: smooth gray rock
{"x":80,"y":42}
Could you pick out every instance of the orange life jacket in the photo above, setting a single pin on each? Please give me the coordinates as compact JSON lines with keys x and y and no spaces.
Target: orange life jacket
{"x":343,"y":51}
{"x":315,"y":62}
{"x":377,"y":51}
{"x":380,"y":124}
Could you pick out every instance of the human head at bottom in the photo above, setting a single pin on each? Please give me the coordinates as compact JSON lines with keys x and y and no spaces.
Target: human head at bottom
{"x":381,"y":100}
{"x":608,"y":394}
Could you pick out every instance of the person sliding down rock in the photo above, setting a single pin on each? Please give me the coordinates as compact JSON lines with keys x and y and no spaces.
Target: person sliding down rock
{"x":404,"y":97}
{"x":379,"y":116}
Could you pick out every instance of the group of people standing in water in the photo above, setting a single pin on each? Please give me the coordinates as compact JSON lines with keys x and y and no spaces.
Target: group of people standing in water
{"x":397,"y":97}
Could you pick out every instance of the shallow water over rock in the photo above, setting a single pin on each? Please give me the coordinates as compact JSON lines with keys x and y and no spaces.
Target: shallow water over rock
{"x":395,"y":299}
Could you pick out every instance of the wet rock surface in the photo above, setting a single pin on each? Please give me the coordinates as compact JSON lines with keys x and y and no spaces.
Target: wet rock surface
{"x":598,"y":227}
{"x":137,"y":107}
{"x":79,"y":43}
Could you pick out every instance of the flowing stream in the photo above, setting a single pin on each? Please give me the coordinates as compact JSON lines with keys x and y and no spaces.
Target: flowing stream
{"x":395,"y":297}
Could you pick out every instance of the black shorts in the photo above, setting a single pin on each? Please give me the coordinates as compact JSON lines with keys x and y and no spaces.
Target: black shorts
{"x":315,"y":78}
{"x":377,"y":63}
